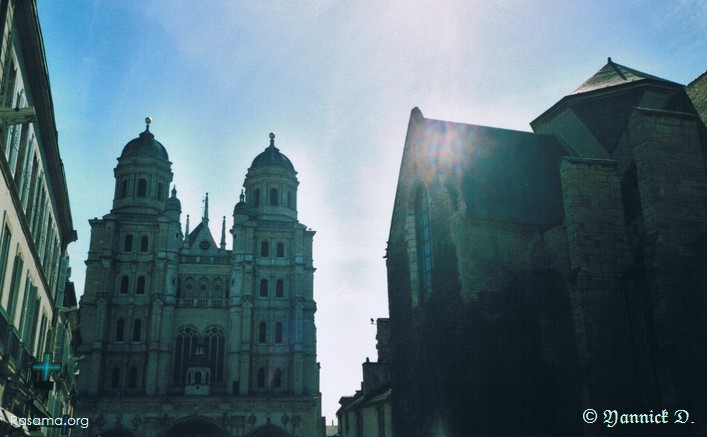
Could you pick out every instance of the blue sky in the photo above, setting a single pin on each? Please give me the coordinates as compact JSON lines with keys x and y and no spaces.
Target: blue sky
{"x":336,"y":81}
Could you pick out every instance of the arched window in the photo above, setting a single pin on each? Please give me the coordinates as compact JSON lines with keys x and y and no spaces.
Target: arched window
{"x":280,"y":288}
{"x":263,"y":288}
{"x":115,"y":378}
{"x":261,"y":378}
{"x":142,"y":188}
{"x":143,"y":243}
{"x":140,"y":289}
{"x":273,"y":197}
{"x":119,"y":329}
{"x":423,"y":239}
{"x":214,"y":344}
{"x":280,"y":250}
{"x":137,"y":330}
{"x":262,"y":332}
{"x":278,"y":333}
{"x":264,"y":249}
{"x":124,"y":284}
{"x":184,"y":349}
{"x":132,"y":377}
{"x":256,"y":198}
{"x":160,"y":188}
{"x":123,"y":190}
{"x":128,"y":246}
{"x":277,"y":379}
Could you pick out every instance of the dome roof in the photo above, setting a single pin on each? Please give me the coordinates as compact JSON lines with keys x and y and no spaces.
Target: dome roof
{"x":145,"y":145}
{"x":271,"y":157}
{"x":173,"y":202}
{"x":241,"y":207}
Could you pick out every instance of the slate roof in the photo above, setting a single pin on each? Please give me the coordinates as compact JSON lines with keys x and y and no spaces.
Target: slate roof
{"x":502,"y":174}
{"x":145,"y":145}
{"x":697,"y":92}
{"x":613,"y":74}
{"x":272,"y":156}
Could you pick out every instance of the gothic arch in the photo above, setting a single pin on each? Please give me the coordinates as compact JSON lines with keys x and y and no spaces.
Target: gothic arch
{"x":185,"y":345}
{"x":195,"y":426}
{"x":269,"y":430}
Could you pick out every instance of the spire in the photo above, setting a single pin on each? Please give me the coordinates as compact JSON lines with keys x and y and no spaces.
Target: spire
{"x":242,"y":197}
{"x":223,"y":234}
{"x":174,"y":191}
{"x":272,"y":139}
{"x":186,"y":230}
{"x":205,"y":218}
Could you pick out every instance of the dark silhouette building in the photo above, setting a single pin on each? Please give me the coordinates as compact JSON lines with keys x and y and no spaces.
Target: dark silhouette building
{"x":532,"y":276}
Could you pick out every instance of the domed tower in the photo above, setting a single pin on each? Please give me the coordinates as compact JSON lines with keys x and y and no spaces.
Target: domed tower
{"x":271,"y":185}
{"x":142,"y":176}
{"x":271,"y":296}
{"x":131,"y":275}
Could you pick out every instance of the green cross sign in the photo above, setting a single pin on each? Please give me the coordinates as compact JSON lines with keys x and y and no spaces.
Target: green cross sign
{"x":46,"y":366}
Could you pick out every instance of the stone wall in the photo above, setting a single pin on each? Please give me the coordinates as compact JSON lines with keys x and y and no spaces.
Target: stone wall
{"x":599,"y":254}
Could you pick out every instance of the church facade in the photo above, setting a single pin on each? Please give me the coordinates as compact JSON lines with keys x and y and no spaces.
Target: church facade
{"x":182,"y":336}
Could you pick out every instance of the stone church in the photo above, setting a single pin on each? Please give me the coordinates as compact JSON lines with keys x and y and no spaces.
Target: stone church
{"x":535,"y":275}
{"x":182,"y":336}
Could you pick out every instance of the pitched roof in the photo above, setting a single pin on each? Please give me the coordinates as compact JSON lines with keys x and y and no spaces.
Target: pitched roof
{"x":502,"y":174}
{"x":613,"y":74}
{"x":697,"y":92}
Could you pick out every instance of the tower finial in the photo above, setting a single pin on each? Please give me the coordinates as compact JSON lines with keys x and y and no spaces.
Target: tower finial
{"x":223,"y":234}
{"x":205,"y":218}
{"x":242,"y":197}
{"x":186,"y":230}
{"x":148,"y":121}
{"x":272,"y":139}
{"x":174,"y":190}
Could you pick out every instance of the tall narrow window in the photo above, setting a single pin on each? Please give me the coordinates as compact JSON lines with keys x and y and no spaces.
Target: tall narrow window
{"x":214,"y":343}
{"x":263,"y":288}
{"x":115,"y":378}
{"x":4,"y":255}
{"x":184,"y":350}
{"x":160,"y":188}
{"x":256,"y":198}
{"x":273,"y":197}
{"x":137,"y":330}
{"x":142,"y":188}
{"x":280,"y":288}
{"x":261,"y":378}
{"x":128,"y":246}
{"x":277,"y":380}
{"x":280,"y":250}
{"x":132,"y":377}
{"x":140,"y":289}
{"x":289,"y":199}
{"x":278,"y":333}
{"x":423,"y":238}
{"x":264,"y":249}
{"x":262,"y":332}
{"x":15,"y":285}
{"x":119,"y":330}
{"x":124,"y":284}
{"x":143,"y":243}
{"x":123,"y":190}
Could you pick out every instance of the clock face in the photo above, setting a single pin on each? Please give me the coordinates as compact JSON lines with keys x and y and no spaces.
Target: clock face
{"x":205,"y":245}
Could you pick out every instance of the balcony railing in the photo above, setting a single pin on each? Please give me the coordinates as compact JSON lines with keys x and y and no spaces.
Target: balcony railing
{"x":197,"y":302}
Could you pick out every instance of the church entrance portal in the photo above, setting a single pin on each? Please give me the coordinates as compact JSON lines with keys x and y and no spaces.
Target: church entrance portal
{"x":270,"y":431}
{"x":195,"y":427}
